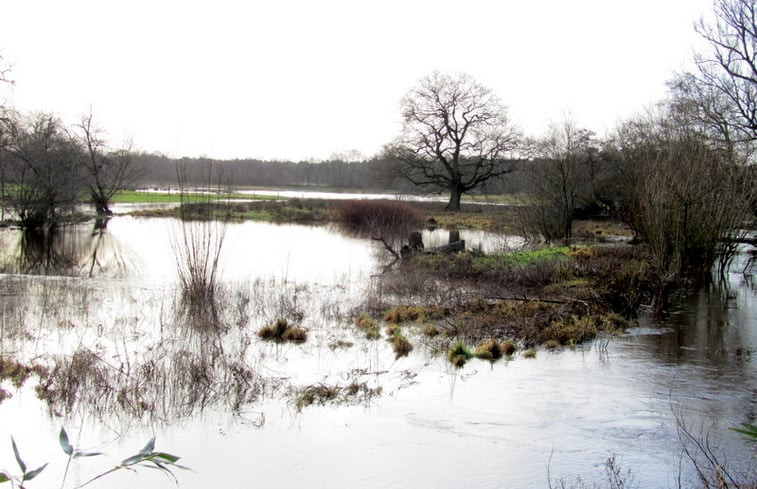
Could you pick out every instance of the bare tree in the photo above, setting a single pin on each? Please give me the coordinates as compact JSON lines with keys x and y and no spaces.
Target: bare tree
{"x":728,"y":72}
{"x":108,"y":171}
{"x":456,"y":136}
{"x":42,"y":161}
{"x":560,"y":178}
{"x":5,"y":72}
{"x":684,"y":198}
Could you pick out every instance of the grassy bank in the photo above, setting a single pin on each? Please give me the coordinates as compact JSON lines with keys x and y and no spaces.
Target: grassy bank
{"x":548,"y":298}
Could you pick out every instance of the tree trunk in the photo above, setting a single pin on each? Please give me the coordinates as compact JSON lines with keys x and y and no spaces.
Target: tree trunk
{"x":101,"y":205}
{"x":454,"y":199}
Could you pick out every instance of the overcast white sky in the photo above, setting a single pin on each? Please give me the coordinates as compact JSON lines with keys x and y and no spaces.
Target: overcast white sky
{"x":298,"y":79}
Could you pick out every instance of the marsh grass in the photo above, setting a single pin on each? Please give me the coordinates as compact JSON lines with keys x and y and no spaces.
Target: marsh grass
{"x":393,"y":329}
{"x":322,"y":394}
{"x":459,"y":354}
{"x":369,"y":326}
{"x":281,"y":331}
{"x":508,"y":348}
{"x":338,"y":344}
{"x":400,"y":344}
{"x":489,"y":350}
{"x":401,"y":314}
{"x":17,"y":372}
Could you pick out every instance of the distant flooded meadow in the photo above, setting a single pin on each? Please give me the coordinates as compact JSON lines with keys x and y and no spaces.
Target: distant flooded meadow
{"x":128,"y":355}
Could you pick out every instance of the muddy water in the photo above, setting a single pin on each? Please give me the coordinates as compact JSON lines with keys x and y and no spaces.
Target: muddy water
{"x":210,"y":391}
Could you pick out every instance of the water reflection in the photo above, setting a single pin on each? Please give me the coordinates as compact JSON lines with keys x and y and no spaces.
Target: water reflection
{"x":195,"y":361}
{"x":76,"y":250}
{"x":130,"y":351}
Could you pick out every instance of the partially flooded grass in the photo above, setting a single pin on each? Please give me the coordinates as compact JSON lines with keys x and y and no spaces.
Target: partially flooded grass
{"x":563,"y":295}
{"x":322,"y":394}
{"x":340,"y":344}
{"x":530,"y":353}
{"x":281,"y":331}
{"x":459,"y":354}
{"x":400,"y":344}
{"x":303,"y":211}
{"x":17,"y":372}
{"x":489,"y":350}
{"x":508,"y":348}
{"x":368,"y":326}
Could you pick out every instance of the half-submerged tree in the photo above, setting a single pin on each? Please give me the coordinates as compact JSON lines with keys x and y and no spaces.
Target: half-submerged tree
{"x":683,"y":195}
{"x":107,"y":171}
{"x":559,"y":181}
{"x":456,"y":136}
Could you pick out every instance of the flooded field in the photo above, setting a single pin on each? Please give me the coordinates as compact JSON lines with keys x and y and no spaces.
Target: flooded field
{"x":128,"y":358}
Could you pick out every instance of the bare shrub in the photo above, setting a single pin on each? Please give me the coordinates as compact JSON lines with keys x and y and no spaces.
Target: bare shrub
{"x":389,"y":222}
{"x":685,"y":197}
{"x":197,"y":244}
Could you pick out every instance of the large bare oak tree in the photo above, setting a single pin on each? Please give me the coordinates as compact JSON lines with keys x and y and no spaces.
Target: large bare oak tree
{"x":456,"y":136}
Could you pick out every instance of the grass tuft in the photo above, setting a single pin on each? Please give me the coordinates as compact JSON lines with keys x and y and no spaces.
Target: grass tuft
{"x":367,"y":325}
{"x":281,"y":331}
{"x":402,"y":347}
{"x":489,"y":350}
{"x":458,"y":354}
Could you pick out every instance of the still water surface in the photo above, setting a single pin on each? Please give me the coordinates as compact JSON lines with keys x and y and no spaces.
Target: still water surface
{"x":114,"y":294}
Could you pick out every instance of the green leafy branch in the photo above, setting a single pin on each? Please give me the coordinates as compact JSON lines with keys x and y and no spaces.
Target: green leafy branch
{"x":748,"y":430}
{"x":146,"y":457}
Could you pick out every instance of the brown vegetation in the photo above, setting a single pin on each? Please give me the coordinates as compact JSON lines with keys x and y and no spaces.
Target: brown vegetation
{"x":567,"y":298}
{"x":281,"y":331}
{"x":390,"y":222}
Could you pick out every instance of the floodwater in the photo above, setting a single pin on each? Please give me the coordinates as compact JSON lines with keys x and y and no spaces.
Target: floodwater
{"x":134,"y":361}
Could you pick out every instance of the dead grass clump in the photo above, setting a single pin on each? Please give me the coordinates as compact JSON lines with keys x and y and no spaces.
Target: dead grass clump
{"x":574,"y":331}
{"x":281,"y":331}
{"x":393,"y":329}
{"x":321,"y":394}
{"x":530,"y":353}
{"x":458,"y":354}
{"x":613,"y":322}
{"x":367,"y":325}
{"x":401,"y":314}
{"x":508,"y":348}
{"x":402,"y":347}
{"x":431,"y":330}
{"x":489,"y":350}
{"x":340,"y":344}
{"x":76,"y":379}
{"x":17,"y":372}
